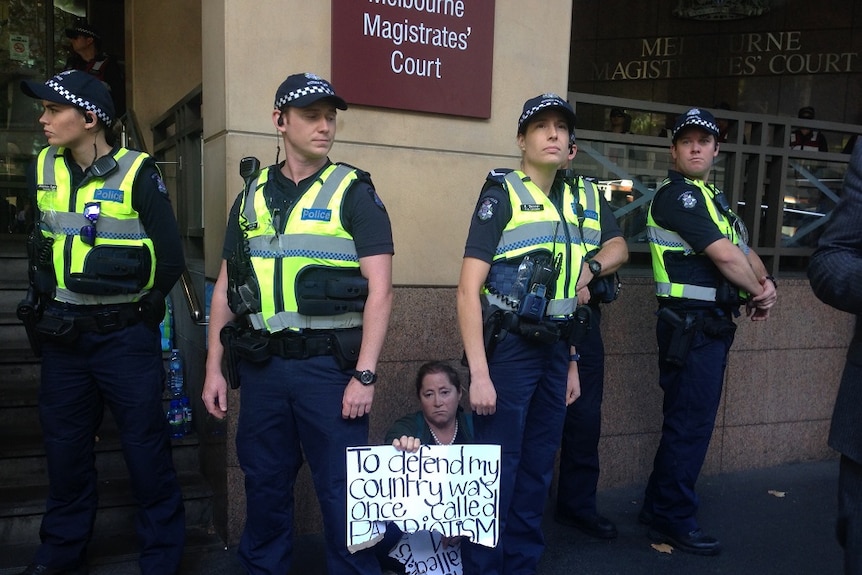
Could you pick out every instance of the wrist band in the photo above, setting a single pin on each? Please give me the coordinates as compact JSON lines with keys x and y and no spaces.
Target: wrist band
{"x":575,"y":357}
{"x":772,"y":279}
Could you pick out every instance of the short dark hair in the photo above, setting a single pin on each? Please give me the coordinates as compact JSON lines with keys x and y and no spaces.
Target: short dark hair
{"x":437,"y":367}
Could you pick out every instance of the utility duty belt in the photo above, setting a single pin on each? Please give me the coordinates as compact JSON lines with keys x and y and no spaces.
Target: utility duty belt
{"x":498,"y":323}
{"x":257,"y":347}
{"x":713,"y":323}
{"x":65,"y":327}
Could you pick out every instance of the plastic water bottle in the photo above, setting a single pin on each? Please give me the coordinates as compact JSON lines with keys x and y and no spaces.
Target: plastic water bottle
{"x":175,"y":374}
{"x":522,"y":281}
{"x":176,"y":419}
{"x":167,"y":326}
{"x":187,"y":414}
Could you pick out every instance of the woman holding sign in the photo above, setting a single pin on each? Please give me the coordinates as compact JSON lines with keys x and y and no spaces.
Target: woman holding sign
{"x":441,"y":421}
{"x":517,"y":298}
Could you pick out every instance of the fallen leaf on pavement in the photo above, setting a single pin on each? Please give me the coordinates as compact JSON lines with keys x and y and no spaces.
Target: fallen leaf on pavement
{"x":662,"y":548}
{"x":777,"y":493}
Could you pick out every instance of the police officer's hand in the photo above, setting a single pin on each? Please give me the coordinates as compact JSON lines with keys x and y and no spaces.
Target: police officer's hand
{"x":483,"y":395}
{"x":407,"y":443}
{"x":757,"y":308}
{"x":583,"y":295}
{"x":214,"y":394}
{"x":357,"y":399}
{"x":573,"y":383}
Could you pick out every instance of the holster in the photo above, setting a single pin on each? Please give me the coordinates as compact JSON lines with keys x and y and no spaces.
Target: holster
{"x":683,"y":334}
{"x":29,"y":311}
{"x":227,"y":335}
{"x":580,"y":324}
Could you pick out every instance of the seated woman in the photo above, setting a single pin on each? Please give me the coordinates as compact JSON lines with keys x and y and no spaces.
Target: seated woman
{"x":441,"y":421}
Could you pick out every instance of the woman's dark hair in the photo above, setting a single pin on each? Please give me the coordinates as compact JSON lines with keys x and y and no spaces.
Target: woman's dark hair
{"x":437,"y":367}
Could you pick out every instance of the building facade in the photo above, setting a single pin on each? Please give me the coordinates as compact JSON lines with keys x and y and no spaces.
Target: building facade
{"x":212,"y":68}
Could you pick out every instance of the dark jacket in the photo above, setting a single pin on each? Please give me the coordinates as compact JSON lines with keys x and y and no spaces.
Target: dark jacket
{"x":414,"y":425}
{"x":835,"y":272}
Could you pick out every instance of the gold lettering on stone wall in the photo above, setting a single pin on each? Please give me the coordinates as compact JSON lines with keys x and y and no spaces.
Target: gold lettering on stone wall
{"x":748,"y":54}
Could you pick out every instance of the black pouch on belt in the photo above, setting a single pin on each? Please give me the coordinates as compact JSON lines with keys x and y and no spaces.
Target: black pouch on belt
{"x":346,"y":344}
{"x":580,"y":324}
{"x":58,"y":329}
{"x":684,"y":329}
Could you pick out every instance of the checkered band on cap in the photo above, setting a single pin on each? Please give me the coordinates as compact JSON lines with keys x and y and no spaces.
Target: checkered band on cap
{"x":304,"y":91}
{"x":82,"y":31}
{"x":547,"y":101}
{"x":79,"y":101}
{"x":696,"y":117}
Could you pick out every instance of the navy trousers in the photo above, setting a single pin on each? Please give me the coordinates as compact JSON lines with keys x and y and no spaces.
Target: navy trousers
{"x":691,"y":396}
{"x":849,"y":524}
{"x":579,"y":455}
{"x":289,"y":406}
{"x":530,"y":380}
{"x":124,"y":370}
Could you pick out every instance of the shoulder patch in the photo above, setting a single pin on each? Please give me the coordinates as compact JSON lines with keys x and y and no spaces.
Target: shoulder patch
{"x":160,"y":184}
{"x":377,"y":201}
{"x":485,"y":211}
{"x":687,"y":200}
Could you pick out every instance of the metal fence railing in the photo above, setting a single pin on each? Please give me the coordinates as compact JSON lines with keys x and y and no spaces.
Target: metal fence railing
{"x":785,"y":196}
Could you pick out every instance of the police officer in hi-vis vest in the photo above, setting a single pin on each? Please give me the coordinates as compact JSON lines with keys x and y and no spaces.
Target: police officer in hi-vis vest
{"x":300,"y":310}
{"x":606,"y":252}
{"x":704,"y":271}
{"x":104,"y":250}
{"x":517,"y":300}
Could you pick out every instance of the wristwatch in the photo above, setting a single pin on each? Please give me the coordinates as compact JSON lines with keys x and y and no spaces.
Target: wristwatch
{"x":595,"y":267}
{"x":365,"y":377}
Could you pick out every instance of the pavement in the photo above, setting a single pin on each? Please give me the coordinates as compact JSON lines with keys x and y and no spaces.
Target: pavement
{"x":777,"y":520}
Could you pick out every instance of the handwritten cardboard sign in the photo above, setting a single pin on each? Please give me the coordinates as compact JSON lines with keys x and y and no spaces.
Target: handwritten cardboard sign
{"x":451,"y":489}
{"x":425,"y":553}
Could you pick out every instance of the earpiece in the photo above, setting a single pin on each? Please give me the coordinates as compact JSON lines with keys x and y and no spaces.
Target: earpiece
{"x":90,"y":119}
{"x":281,"y":119}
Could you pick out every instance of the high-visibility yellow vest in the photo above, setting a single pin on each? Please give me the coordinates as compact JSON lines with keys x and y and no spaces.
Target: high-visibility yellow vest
{"x":121,"y":264}
{"x":697,"y":278}
{"x":537,"y":227}
{"x":282,"y":246}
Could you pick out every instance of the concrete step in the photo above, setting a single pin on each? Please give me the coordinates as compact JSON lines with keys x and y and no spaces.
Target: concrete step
{"x":26,"y":464}
{"x":111,"y":551}
{"x":21,"y":509}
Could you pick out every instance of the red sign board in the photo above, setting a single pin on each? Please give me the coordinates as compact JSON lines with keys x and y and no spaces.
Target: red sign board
{"x":424,"y":55}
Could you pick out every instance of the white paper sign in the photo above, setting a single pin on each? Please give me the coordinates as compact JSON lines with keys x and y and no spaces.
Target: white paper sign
{"x":19,"y":48}
{"x":451,"y":489}
{"x":424,"y":553}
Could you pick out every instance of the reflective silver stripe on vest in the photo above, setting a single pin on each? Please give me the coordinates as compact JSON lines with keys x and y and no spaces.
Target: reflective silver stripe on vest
{"x":520,"y":189}
{"x":107,"y":227}
{"x":67,"y":296}
{"x":285,"y":320}
{"x":688,"y":291}
{"x":666,"y":238}
{"x":591,"y":236}
{"x":330,"y":186}
{"x":556,"y":307}
{"x":303,"y":245}
{"x":532,"y":234}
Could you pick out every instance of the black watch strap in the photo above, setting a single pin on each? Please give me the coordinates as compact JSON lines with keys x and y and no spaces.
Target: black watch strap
{"x":365,"y":377}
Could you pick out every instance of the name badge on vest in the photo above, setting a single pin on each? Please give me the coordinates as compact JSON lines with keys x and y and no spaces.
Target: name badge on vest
{"x":532,"y":207}
{"x":318,"y":215}
{"x":47,"y":187}
{"x":109,"y":195}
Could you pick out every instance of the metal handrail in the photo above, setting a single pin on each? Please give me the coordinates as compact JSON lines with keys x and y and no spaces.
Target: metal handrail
{"x":130,"y":136}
